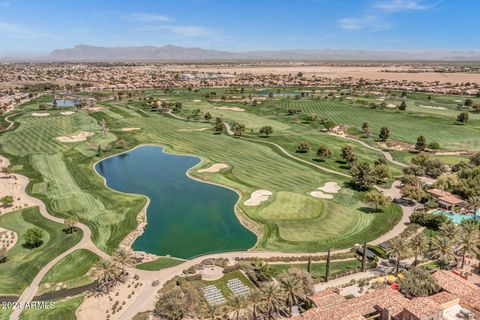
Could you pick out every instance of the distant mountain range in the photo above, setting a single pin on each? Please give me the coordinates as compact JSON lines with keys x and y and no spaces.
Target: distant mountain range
{"x":176,"y":53}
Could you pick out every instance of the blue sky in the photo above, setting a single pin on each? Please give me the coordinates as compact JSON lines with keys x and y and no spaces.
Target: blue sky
{"x":38,"y":26}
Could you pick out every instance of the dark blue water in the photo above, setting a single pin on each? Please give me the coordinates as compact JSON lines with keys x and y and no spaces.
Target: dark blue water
{"x":185,"y":217}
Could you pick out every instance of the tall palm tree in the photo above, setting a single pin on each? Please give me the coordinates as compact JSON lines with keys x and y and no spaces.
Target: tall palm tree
{"x":124,"y":257}
{"x":419,"y":245}
{"x":237,"y":304}
{"x":255,"y":299}
{"x":443,"y":249}
{"x":292,"y":287}
{"x":449,"y":230}
{"x":212,"y":311}
{"x":468,"y":239}
{"x":106,"y":272}
{"x":399,"y":249}
{"x":272,"y":294}
{"x":475,"y":205}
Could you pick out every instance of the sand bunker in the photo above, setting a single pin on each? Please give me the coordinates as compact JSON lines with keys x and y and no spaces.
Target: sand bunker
{"x":40,"y":114}
{"x":129,"y":129}
{"x":321,"y":195}
{"x":82,"y":136}
{"x":94,"y":109}
{"x":199,"y":129}
{"x":67,"y":113}
{"x":330,"y":187}
{"x":214,"y":168}
{"x":258,"y":197}
{"x":230,"y":108}
{"x":197,"y":100}
{"x":391,"y":105}
{"x":432,"y":107}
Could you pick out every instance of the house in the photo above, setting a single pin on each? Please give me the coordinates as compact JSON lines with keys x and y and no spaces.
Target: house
{"x":458,"y":296}
{"x":446,"y":199}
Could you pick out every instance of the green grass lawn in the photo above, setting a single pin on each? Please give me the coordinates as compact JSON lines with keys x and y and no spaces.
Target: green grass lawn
{"x":71,"y":271}
{"x":291,"y":220}
{"x":160,"y":263}
{"x":222,"y":283}
{"x":24,"y":263}
{"x":318,"y":269}
{"x":64,"y":310}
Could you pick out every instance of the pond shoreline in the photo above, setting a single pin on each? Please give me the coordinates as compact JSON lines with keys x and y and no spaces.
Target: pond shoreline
{"x":142,"y":217}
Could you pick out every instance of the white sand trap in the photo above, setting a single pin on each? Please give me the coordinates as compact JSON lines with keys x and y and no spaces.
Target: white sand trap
{"x":129,"y":129}
{"x":258,"y":197}
{"x":391,"y":105}
{"x":432,"y":107}
{"x":321,"y":195}
{"x":67,"y":113}
{"x":214,"y":168}
{"x":199,"y":129}
{"x":82,"y":136}
{"x":197,"y":100}
{"x":330,"y":187}
{"x":40,"y":114}
{"x":94,"y":109}
{"x":230,"y":108}
{"x":458,"y":100}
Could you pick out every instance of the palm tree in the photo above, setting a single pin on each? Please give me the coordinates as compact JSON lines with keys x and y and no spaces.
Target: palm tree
{"x":272,"y":294}
{"x":212,"y":311}
{"x":419,"y":245}
{"x":399,"y":249}
{"x":468,"y":239}
{"x":443,"y":250}
{"x":237,"y":303}
{"x":449,"y":230}
{"x":255,"y":299}
{"x":418,"y":282}
{"x":475,"y":205}
{"x":292,"y":287}
{"x":124,"y":257}
{"x":106,"y":271}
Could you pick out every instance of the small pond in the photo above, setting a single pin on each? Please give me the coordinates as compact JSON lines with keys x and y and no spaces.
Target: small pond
{"x":186,"y":218}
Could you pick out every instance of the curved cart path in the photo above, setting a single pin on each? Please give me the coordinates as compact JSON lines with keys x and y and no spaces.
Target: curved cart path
{"x":85,"y":243}
{"x":145,"y":300}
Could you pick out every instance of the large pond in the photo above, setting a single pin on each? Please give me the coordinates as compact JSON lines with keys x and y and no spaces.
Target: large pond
{"x":185,"y":217}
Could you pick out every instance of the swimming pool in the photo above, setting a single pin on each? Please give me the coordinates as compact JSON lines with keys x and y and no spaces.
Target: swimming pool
{"x":456,"y":218}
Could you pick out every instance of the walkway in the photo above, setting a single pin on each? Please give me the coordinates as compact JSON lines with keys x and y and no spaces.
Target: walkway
{"x":85,"y":243}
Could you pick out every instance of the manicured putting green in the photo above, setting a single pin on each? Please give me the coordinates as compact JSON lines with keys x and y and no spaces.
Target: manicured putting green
{"x":160,"y":263}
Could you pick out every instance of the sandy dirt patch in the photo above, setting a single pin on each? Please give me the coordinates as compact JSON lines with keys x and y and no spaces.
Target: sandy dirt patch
{"x":13,"y":185}
{"x":129,"y":129}
{"x":67,"y":113}
{"x":82,"y":136}
{"x":211,"y":273}
{"x":321,"y":195}
{"x":40,"y":114}
{"x":330,"y":187}
{"x":214,"y":168}
{"x":122,"y":297}
{"x":189,"y":130}
{"x":94,"y":109}
{"x":432,"y":107}
{"x":258,"y":197}
{"x":356,"y":72}
{"x":8,"y":238}
{"x":230,"y":108}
